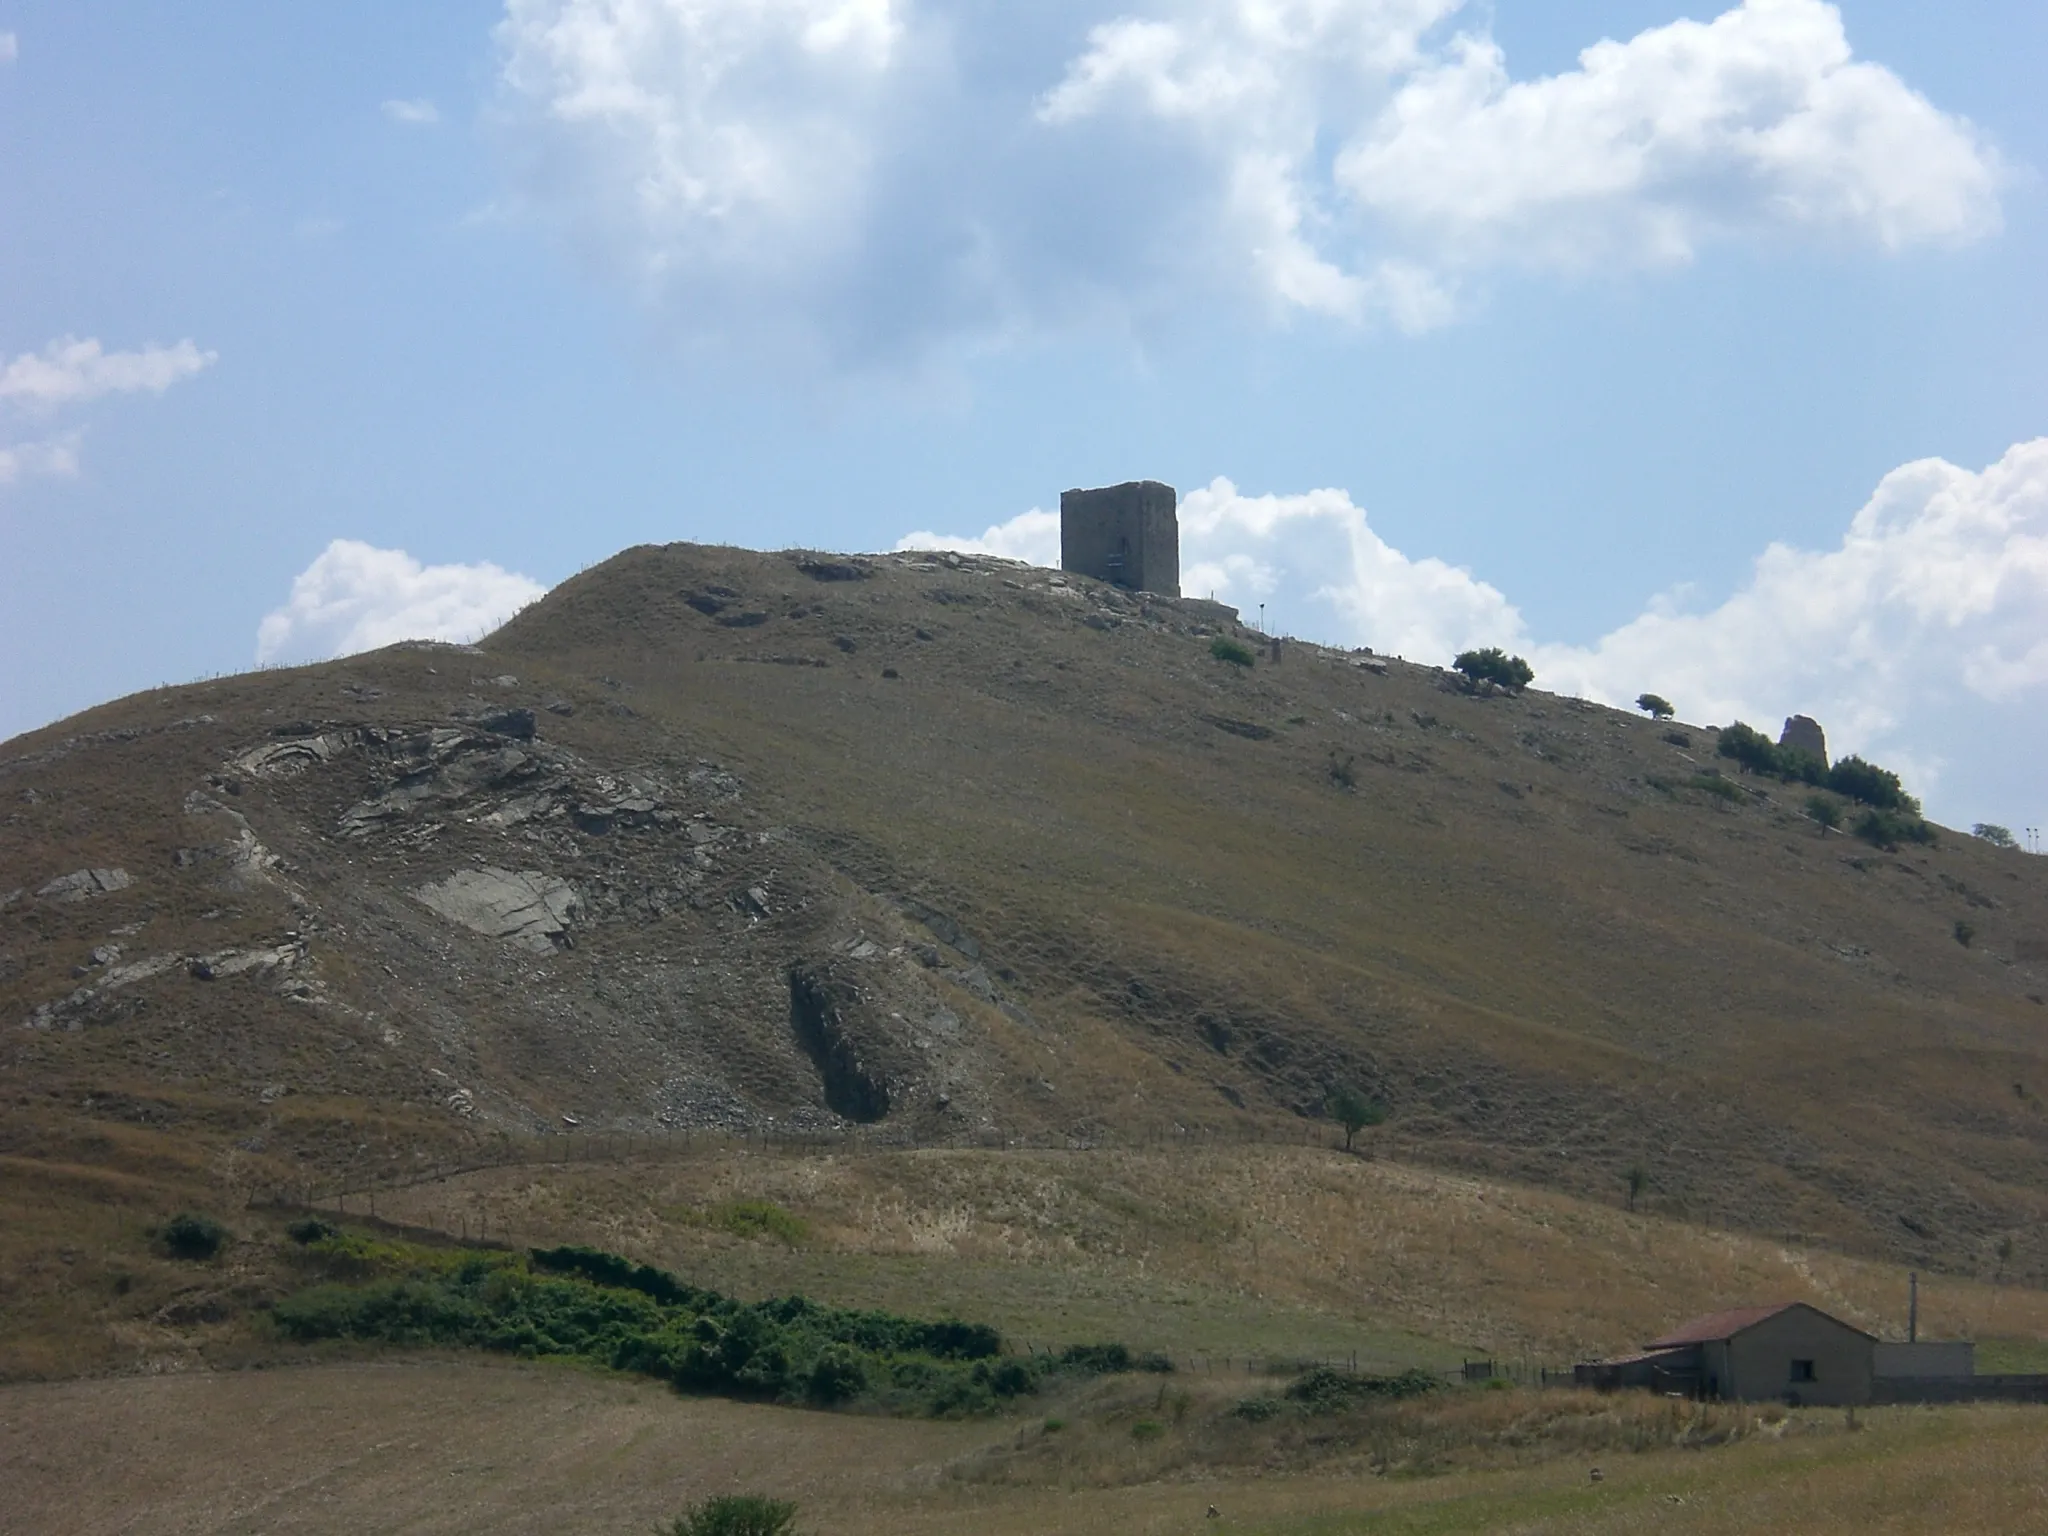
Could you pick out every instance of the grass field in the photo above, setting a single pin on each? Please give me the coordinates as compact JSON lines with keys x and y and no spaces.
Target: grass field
{"x":1287,"y":1250}
{"x":438,"y":1448}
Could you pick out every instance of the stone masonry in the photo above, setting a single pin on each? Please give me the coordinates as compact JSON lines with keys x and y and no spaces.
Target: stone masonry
{"x":1804,"y":733}
{"x":1128,"y":535}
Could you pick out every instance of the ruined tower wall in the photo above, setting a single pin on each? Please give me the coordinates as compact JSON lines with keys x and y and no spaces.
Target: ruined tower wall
{"x":1125,"y":534}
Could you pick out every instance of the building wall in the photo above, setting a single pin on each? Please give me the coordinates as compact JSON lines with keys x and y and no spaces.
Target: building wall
{"x":1756,"y":1365}
{"x":1934,"y":1359}
{"x":1127,"y":534}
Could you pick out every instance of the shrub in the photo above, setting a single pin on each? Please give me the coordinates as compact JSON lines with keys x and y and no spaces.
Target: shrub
{"x":1343,"y":770}
{"x":1678,"y":738}
{"x":1714,"y":784}
{"x":1887,"y":829}
{"x":1824,"y":811}
{"x":1748,"y":746}
{"x":1966,"y":933}
{"x":1354,"y":1111}
{"x":1873,"y":785}
{"x":1225,"y":649}
{"x":190,"y":1236}
{"x":586,"y":1304}
{"x":1147,"y":1429}
{"x":1494,"y":665}
{"x":1323,"y":1390}
{"x":1655,"y":705}
{"x":737,"y":1514}
{"x":1992,"y":833}
{"x":310,"y":1230}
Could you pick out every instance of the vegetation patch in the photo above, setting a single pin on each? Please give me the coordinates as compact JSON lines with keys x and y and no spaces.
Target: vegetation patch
{"x":586,"y":1304}
{"x":1227,"y":650}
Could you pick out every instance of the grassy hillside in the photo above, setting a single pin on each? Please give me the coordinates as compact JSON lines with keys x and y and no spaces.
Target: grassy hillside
{"x":964,"y":851}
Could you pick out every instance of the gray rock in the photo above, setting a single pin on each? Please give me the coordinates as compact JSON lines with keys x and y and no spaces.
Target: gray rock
{"x":516,"y":723}
{"x":1804,"y":733}
{"x":82,"y":884}
{"x":529,"y":909}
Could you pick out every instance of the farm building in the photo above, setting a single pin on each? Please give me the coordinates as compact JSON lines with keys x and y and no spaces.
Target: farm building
{"x":1790,"y":1352}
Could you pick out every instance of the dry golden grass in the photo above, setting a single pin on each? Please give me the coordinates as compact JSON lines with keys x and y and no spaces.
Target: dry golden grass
{"x":1272,"y":1249}
{"x":450,"y":1449}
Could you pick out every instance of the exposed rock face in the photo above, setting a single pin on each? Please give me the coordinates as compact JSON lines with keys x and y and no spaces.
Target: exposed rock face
{"x":83,"y":884}
{"x":1803,"y":732}
{"x":530,"y":909}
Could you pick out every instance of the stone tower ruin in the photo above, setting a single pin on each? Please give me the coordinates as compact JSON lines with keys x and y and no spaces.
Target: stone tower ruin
{"x":1804,"y":733}
{"x":1127,"y":535}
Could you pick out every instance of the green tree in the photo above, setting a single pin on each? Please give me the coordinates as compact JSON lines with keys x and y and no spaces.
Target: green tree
{"x":1873,"y":785}
{"x":1994,"y":834}
{"x":1637,"y":1178}
{"x":1748,"y":746}
{"x":1494,"y":665}
{"x":1655,"y":705}
{"x":1354,"y":1111}
{"x":1825,"y":811}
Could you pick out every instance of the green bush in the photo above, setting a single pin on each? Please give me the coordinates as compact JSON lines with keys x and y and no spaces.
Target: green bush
{"x":1750,"y":747}
{"x":310,"y":1230}
{"x":1324,"y":1390}
{"x":1655,"y":705}
{"x":737,"y":1514}
{"x":586,"y":1304}
{"x":1873,"y":785}
{"x":1824,"y":811}
{"x":1888,"y":829}
{"x":1713,"y":784}
{"x":1966,"y":933}
{"x":1992,"y":833}
{"x":1147,"y":1429}
{"x":191,"y":1236}
{"x":1225,"y":649}
{"x":1494,"y":665}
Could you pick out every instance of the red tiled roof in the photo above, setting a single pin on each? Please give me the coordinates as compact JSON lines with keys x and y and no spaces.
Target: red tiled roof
{"x":1719,"y":1325}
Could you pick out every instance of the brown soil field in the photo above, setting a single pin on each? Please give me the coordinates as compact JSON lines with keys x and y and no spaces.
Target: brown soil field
{"x":434,"y":1448}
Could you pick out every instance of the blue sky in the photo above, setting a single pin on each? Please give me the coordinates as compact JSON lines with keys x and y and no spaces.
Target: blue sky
{"x":1527,"y":323}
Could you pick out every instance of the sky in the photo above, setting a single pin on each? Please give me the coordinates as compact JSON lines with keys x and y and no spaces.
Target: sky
{"x":1691,"y":351}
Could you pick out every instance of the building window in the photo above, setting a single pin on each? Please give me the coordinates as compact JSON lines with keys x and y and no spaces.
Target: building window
{"x":1802,"y":1370}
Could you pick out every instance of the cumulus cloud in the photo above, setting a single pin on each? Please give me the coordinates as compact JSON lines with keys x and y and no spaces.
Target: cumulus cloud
{"x":873,"y":179}
{"x":419,"y":113}
{"x":1939,"y":589}
{"x":70,"y":372}
{"x":46,"y":456}
{"x":356,"y":597}
{"x":1935,"y":601}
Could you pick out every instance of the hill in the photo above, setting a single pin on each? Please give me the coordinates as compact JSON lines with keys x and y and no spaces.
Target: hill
{"x":953,"y":849}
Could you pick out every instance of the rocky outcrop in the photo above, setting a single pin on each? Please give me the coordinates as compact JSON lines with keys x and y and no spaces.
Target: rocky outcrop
{"x":529,"y":909}
{"x":84,"y":884}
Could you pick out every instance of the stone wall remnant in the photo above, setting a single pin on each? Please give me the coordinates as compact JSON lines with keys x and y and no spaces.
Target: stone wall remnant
{"x":1803,"y":733}
{"x":1127,"y":535}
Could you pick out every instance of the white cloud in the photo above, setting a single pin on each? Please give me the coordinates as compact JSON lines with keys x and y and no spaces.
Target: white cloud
{"x":356,"y":597}
{"x":1761,"y":118}
{"x":874,"y":180}
{"x":56,"y":456}
{"x":1938,"y":593}
{"x":70,"y":372}
{"x":1033,"y":537}
{"x":10,"y":47}
{"x":1925,"y":627}
{"x":419,"y":113}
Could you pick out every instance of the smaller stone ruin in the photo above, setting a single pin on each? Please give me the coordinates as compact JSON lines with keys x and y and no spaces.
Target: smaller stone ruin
{"x":1803,"y":732}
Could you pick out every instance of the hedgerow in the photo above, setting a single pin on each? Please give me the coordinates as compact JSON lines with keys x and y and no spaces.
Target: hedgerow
{"x":585,"y":1304}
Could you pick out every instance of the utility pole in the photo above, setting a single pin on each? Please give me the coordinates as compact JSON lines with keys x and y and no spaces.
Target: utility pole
{"x":1913,"y":1306}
